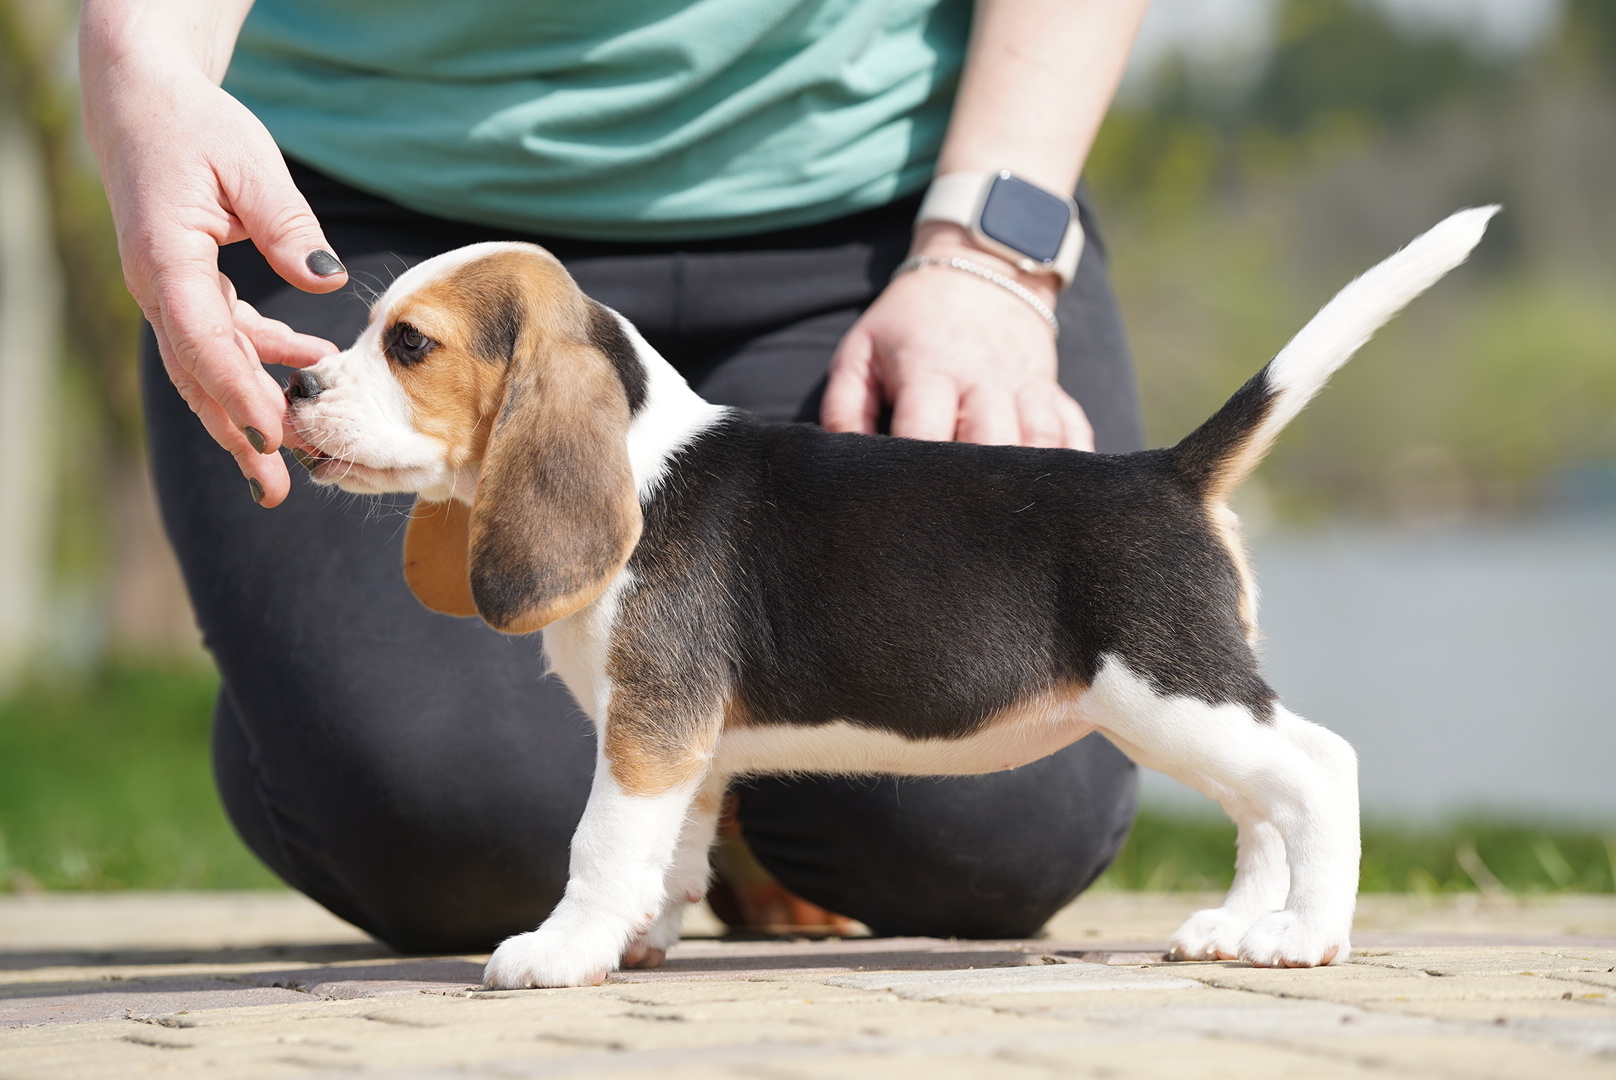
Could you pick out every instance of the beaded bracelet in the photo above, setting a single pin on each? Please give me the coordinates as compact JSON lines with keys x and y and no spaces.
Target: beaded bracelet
{"x":915,"y":262}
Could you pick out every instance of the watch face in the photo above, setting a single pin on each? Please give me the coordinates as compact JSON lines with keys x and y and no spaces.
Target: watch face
{"x":1025,"y":218}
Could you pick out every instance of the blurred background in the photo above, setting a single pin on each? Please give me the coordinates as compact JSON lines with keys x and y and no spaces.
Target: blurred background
{"x":1436,"y":537}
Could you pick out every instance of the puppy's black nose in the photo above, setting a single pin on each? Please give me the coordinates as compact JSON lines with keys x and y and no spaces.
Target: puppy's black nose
{"x":303,"y":385}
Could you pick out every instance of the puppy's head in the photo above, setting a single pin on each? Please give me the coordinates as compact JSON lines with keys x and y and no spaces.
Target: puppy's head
{"x":489,"y":385}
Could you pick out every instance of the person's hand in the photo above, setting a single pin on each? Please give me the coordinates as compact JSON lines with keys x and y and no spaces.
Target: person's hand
{"x":959,"y":358}
{"x":187,"y":170}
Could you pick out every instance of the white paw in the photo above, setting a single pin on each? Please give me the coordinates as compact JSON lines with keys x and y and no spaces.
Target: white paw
{"x":548,"y":958}
{"x":1212,"y":934}
{"x":1287,"y":939}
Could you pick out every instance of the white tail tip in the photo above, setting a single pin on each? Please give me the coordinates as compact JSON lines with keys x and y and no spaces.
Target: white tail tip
{"x":1367,"y":303}
{"x":1459,"y":233}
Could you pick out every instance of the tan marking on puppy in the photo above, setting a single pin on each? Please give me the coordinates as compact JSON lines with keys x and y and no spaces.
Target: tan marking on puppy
{"x":654,"y":747}
{"x":737,"y":714}
{"x":516,"y":385}
{"x":709,"y":800}
{"x":670,"y":698}
{"x":1232,"y":471}
{"x":477,"y":316}
{"x":1031,"y":726}
{"x":1226,"y":526}
{"x":435,"y":556}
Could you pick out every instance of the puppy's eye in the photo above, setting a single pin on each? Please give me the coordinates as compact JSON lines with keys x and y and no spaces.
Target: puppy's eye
{"x":406,"y":345}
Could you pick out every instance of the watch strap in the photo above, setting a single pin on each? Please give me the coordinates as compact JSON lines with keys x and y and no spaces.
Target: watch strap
{"x":955,"y":197}
{"x":958,"y":198}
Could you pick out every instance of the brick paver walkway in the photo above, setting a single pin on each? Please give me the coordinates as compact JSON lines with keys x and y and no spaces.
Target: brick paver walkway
{"x":267,"y":985}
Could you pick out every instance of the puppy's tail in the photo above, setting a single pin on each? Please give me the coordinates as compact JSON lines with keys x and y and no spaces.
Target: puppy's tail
{"x":1218,"y":455}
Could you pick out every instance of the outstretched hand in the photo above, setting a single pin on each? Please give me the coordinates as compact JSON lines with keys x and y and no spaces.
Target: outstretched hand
{"x":187,"y":170}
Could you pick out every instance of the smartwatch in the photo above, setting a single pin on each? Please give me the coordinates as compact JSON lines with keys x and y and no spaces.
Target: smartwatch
{"x":1033,"y":228}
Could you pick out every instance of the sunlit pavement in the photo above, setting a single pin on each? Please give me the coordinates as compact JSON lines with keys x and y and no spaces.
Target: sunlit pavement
{"x":268,"y":985}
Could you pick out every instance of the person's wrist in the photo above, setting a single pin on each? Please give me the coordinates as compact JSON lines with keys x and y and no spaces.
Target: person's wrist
{"x":119,"y":97}
{"x":116,"y":78}
{"x":117,"y":43}
{"x":945,"y":240}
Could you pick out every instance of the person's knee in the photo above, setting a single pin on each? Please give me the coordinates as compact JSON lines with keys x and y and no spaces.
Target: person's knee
{"x":422,"y":874}
{"x":431,"y":886}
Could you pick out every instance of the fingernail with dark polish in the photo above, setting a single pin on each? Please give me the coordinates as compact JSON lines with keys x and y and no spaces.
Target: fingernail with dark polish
{"x":255,"y":437}
{"x":256,"y":488}
{"x":324,"y":263}
{"x":304,"y":458}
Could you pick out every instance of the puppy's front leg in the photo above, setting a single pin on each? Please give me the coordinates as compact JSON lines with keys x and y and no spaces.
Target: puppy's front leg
{"x":621,"y":857}
{"x":687,"y":877}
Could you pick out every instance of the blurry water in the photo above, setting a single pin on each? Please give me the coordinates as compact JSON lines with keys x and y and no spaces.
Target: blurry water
{"x":1472,"y":669}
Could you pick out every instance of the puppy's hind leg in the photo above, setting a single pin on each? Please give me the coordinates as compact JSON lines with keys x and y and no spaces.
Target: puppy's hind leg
{"x":1261,"y":882}
{"x":1323,"y":848}
{"x":647,"y":776}
{"x":1293,"y":775}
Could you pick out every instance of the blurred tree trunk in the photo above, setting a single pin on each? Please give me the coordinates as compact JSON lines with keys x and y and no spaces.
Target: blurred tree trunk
{"x":144,"y":602}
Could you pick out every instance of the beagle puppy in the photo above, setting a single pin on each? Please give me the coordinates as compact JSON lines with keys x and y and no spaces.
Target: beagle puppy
{"x":727,"y":596}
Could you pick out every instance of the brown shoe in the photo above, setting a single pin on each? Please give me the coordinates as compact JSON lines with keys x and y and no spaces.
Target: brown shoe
{"x":749,"y":900}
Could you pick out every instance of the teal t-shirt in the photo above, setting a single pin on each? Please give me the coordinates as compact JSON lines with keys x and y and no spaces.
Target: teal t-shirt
{"x":611,"y":119}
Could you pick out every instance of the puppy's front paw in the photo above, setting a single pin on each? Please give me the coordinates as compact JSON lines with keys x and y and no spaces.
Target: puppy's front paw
{"x":1212,"y":934}
{"x":545,"y":958}
{"x":1287,"y":939}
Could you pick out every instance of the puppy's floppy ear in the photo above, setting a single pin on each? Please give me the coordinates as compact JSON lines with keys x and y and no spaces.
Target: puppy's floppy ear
{"x":556,"y":515}
{"x":435,"y":559}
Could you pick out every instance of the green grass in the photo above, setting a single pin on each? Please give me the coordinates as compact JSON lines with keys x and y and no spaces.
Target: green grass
{"x":1167,"y":851}
{"x":105,"y":784}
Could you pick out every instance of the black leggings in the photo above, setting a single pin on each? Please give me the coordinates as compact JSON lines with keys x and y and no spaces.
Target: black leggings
{"x":420,"y":776}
